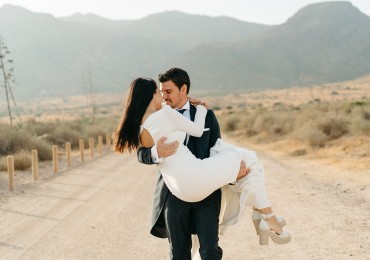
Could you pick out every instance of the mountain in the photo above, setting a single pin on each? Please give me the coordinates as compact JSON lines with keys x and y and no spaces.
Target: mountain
{"x":325,"y":42}
{"x":52,"y":56}
{"x":90,"y":19}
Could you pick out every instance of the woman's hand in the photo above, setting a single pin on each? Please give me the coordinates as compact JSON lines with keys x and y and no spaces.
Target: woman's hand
{"x":197,"y":101}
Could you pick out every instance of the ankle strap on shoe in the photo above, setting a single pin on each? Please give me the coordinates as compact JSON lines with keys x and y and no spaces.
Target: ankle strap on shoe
{"x":267,"y":216}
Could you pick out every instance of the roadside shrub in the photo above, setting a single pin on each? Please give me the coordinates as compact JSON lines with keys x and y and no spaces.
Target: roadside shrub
{"x":312,"y":136}
{"x":22,"y":161}
{"x":299,"y":152}
{"x":43,"y":148}
{"x":360,"y":122}
{"x":231,"y":123}
{"x":63,"y":134}
{"x":366,"y":115}
{"x":333,"y":127}
{"x":250,"y":132}
{"x":2,"y":163}
{"x":39,"y":129}
{"x":14,"y":140}
{"x":274,"y":123}
{"x":263,"y":123}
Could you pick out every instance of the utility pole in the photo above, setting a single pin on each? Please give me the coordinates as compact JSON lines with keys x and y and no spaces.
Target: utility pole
{"x":91,"y":95}
{"x":6,"y":75}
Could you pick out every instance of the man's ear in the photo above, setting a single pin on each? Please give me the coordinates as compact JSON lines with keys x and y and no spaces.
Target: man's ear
{"x":184,"y":89}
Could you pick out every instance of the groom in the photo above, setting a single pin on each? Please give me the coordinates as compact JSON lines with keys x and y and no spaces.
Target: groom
{"x":172,"y":217}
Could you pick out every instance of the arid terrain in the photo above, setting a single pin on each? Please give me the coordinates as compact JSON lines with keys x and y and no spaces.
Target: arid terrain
{"x":100,"y":209}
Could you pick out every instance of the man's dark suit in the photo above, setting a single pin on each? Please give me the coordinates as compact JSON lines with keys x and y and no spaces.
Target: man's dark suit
{"x":200,"y":212}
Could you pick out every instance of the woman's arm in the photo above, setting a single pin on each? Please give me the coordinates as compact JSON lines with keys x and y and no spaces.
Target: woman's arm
{"x":182,"y":123}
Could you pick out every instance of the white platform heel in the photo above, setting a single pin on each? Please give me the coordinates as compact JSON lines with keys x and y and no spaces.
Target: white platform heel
{"x":257,"y":216}
{"x":265,"y":232}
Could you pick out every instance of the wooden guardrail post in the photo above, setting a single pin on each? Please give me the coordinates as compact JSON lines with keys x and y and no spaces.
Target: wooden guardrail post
{"x":10,"y":165}
{"x":82,"y":150}
{"x":55,"y":158}
{"x":68,"y":153}
{"x":107,"y":141}
{"x":91,"y":146}
{"x":35,"y":164}
{"x":100,"y":144}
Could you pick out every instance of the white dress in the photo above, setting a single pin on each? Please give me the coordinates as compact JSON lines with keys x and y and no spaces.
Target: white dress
{"x":188,"y":178}
{"x":191,"y":179}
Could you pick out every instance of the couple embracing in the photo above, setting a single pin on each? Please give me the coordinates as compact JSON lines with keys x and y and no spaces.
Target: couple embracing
{"x":200,"y":175}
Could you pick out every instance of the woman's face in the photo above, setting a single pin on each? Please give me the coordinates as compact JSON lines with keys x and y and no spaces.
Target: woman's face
{"x":158,"y":100}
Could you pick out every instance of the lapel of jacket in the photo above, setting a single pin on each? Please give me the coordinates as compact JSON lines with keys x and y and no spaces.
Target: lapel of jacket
{"x":192,"y":112}
{"x":191,"y":144}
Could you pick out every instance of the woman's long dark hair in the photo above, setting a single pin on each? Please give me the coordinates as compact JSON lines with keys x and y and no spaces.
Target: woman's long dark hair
{"x":126,"y":136}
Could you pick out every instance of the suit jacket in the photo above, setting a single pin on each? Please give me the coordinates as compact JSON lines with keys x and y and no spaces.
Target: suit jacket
{"x":200,"y":147}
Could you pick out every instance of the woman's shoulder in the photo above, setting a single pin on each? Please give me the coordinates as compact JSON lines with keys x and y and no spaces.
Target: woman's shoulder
{"x":152,"y":118}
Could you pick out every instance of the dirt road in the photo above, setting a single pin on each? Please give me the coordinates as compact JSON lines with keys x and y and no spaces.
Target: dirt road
{"x":101,"y":210}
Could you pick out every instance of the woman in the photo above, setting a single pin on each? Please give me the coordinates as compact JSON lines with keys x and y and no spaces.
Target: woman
{"x":145,"y":121}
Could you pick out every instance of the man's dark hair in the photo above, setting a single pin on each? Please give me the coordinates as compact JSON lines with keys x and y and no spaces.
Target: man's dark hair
{"x":178,"y":76}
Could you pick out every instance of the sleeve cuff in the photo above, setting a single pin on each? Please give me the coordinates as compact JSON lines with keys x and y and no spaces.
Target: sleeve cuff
{"x":154,"y":155}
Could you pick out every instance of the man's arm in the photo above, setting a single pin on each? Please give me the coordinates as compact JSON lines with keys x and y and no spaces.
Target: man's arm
{"x":214,"y":128}
{"x":156,"y":153}
{"x":144,"y":155}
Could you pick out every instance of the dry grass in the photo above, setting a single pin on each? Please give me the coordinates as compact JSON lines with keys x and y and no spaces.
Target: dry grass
{"x":313,"y":130}
{"x":22,"y":161}
{"x":20,"y":140}
{"x":312,"y":123}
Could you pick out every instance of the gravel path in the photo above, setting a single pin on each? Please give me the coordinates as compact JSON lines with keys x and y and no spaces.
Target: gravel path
{"x":101,"y":210}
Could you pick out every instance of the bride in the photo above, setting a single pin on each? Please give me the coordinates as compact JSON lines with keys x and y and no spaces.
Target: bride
{"x":145,"y":121}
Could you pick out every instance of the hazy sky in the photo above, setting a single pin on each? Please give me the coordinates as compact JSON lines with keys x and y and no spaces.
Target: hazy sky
{"x":259,"y":11}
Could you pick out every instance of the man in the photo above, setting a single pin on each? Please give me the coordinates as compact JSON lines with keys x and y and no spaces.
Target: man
{"x":172,"y":217}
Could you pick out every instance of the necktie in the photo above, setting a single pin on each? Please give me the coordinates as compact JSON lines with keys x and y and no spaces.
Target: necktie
{"x":181,"y":111}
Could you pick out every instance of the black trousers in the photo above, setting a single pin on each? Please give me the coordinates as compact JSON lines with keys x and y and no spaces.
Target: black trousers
{"x":184,"y":218}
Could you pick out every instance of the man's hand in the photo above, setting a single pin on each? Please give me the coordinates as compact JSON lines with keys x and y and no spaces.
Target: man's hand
{"x":197,"y":101}
{"x":243,"y":171}
{"x":164,"y":150}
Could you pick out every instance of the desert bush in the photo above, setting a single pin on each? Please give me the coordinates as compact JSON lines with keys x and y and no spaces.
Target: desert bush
{"x":366,"y":115}
{"x":14,"y":140}
{"x":299,"y":152}
{"x":231,"y":123}
{"x":247,"y":123}
{"x":311,"y":135}
{"x":22,"y":161}
{"x":274,"y":122}
{"x":3,"y":163}
{"x":333,"y":127}
{"x":63,"y":134}
{"x":360,"y":122}
{"x":38,"y":128}
{"x":263,"y":122}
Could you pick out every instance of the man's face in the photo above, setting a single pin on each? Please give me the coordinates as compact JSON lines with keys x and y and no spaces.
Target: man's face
{"x":174,"y":97}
